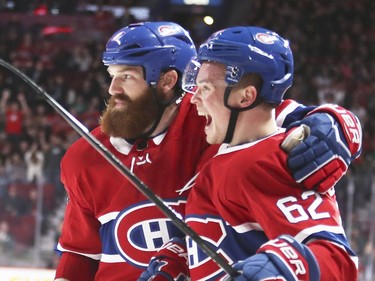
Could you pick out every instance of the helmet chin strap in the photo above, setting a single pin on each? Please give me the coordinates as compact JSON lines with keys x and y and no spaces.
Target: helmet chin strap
{"x":234,"y":112}
{"x":231,"y":126}
{"x":233,"y":116}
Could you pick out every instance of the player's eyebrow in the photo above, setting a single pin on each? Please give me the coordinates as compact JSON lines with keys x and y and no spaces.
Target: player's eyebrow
{"x":124,"y":69}
{"x":202,"y":81}
{"x":214,"y":82}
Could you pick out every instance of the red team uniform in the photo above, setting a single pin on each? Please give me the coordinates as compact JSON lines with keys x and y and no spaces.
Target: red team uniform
{"x":109,"y":229}
{"x":92,"y":216}
{"x":111,"y":225}
{"x":242,"y":201}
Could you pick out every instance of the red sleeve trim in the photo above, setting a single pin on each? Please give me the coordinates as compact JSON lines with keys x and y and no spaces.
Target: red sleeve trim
{"x":76,"y":267}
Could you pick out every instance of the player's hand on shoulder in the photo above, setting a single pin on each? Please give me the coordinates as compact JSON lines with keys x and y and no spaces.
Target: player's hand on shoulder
{"x":169,"y":264}
{"x":279,"y":260}
{"x":323,"y":157}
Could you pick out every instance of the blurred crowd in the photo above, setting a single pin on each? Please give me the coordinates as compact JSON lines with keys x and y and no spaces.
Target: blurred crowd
{"x":334,"y":48}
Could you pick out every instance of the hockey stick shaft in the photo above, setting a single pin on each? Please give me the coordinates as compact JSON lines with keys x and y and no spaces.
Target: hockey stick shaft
{"x":115,"y":162}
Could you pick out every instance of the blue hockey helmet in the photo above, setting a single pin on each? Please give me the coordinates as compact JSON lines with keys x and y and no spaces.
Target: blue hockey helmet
{"x":249,"y":50}
{"x":156,"y":46}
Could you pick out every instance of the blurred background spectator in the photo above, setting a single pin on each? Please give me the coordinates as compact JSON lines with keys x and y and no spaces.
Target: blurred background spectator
{"x":59,"y":45}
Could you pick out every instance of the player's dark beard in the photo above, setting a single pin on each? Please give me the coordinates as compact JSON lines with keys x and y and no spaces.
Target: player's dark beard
{"x":133,"y":120}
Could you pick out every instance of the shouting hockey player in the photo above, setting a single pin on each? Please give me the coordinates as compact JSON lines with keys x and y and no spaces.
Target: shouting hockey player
{"x":243,"y":201}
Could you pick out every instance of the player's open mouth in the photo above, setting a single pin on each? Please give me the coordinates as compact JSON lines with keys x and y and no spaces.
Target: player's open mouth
{"x":208,"y":120}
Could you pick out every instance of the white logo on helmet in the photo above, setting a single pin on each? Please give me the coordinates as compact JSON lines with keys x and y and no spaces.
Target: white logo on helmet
{"x":166,"y":30}
{"x":266,"y":38}
{"x":117,"y":37}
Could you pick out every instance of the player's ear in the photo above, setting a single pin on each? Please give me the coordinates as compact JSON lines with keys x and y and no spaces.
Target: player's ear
{"x":248,"y":96}
{"x":168,"y":80}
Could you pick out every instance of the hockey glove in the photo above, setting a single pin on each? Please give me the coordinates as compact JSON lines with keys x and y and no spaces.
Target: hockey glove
{"x":324,"y":156}
{"x":169,"y":264}
{"x":282,"y":259}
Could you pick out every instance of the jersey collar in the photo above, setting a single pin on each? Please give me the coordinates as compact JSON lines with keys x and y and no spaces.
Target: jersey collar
{"x":124,"y":147}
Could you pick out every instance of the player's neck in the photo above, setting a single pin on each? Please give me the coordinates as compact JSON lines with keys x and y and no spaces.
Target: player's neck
{"x":167,"y":118}
{"x":254,"y":125}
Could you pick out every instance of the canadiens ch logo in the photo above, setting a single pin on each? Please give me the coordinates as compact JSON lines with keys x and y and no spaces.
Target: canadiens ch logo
{"x":167,"y":30}
{"x":266,"y":38}
{"x":137,"y":240}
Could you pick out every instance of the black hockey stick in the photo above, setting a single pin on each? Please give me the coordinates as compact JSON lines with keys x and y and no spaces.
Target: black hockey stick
{"x":115,"y":162}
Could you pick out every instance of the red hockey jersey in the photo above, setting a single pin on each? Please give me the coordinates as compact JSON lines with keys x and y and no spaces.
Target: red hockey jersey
{"x":107,"y":218}
{"x":245,"y":196}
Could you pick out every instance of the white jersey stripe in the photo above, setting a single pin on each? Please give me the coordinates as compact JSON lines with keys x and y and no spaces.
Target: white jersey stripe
{"x":108,"y":217}
{"x":91,"y":256}
{"x":111,"y":258}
